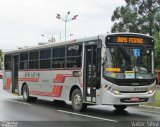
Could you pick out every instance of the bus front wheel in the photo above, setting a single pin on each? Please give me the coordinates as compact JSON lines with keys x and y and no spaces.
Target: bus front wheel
{"x":120,"y":107}
{"x":77,"y":101}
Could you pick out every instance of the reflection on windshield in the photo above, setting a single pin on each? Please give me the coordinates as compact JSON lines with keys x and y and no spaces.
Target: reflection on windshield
{"x":126,"y":60}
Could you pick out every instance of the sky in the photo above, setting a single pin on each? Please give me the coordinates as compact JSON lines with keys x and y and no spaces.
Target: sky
{"x":22,"y":22}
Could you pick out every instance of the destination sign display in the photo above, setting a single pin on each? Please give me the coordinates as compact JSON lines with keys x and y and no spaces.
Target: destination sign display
{"x":132,"y":40}
{"x":128,"y":39}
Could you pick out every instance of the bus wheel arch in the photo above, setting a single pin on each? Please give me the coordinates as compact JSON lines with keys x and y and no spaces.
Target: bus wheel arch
{"x":71,"y":91}
{"x":23,"y":87}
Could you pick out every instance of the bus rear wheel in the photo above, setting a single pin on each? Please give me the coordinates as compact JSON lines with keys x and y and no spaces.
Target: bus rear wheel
{"x":25,"y":92}
{"x":26,"y":96}
{"x":120,"y":107}
{"x":77,"y":101}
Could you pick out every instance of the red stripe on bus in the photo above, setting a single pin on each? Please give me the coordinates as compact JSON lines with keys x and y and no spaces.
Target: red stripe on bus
{"x":57,"y":90}
{"x":40,"y":93}
{"x":8,"y":83}
{"x":60,"y":78}
{"x":54,"y":90}
{"x":29,"y":79}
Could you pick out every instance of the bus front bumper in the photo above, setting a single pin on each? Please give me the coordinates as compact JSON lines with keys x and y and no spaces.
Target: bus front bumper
{"x":127,"y":98}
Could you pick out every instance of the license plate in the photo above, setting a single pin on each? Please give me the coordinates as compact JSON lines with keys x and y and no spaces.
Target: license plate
{"x":140,"y":89}
{"x":134,"y":99}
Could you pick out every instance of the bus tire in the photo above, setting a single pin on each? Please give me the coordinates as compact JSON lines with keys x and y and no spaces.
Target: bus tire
{"x":25,"y":92}
{"x":77,"y":101}
{"x":120,"y":107}
{"x":33,"y":99}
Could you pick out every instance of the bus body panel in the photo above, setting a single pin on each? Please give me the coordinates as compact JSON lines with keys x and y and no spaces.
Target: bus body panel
{"x":55,"y":83}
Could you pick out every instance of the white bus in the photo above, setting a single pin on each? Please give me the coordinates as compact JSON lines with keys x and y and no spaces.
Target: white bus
{"x":114,"y":69}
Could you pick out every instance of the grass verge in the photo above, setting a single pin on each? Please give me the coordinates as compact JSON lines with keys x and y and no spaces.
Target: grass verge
{"x":157,"y":100}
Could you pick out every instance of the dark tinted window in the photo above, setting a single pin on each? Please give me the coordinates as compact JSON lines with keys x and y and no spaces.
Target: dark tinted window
{"x":7,"y":63}
{"x":58,"y":57}
{"x":8,"y":66}
{"x":74,"y":56}
{"x":74,"y":50}
{"x":58,"y":52}
{"x":24,"y":65}
{"x":45,"y":53}
{"x":34,"y":55}
{"x":24,"y":56}
{"x":45,"y":64}
{"x":33,"y":64}
{"x":8,"y":58}
{"x":34,"y":60}
{"x":24,"y":60}
{"x":45,"y":58}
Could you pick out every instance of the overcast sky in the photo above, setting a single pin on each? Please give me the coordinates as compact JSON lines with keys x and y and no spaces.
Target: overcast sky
{"x":22,"y":22}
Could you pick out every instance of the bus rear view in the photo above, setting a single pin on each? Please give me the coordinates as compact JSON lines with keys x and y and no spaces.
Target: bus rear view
{"x":128,"y":70}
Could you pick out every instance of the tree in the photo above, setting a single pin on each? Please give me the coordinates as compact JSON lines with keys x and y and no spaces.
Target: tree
{"x":140,"y":16}
{"x":157,"y":50}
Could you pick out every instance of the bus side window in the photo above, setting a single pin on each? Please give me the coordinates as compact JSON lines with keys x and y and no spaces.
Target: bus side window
{"x":24,"y":60}
{"x":74,"y":57}
{"x":7,"y":62}
{"x":45,"y":58}
{"x":58,"y":57}
{"x":34,"y":60}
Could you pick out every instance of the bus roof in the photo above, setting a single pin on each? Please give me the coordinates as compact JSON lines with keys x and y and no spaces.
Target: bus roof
{"x":48,"y":45}
{"x":130,"y":33}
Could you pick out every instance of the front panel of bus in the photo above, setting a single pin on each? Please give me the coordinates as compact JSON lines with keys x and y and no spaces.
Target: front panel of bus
{"x":128,"y":69}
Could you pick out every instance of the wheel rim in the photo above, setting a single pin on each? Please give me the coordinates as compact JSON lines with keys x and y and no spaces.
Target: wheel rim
{"x":77,"y":100}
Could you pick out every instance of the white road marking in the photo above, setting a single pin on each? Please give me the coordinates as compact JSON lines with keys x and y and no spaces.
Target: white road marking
{"x":17,"y":102}
{"x":94,"y":117}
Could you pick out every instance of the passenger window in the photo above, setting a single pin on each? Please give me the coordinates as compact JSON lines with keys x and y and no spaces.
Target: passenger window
{"x":74,"y":57}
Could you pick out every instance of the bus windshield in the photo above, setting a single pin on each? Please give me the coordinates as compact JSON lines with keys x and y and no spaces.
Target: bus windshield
{"x":128,"y":62}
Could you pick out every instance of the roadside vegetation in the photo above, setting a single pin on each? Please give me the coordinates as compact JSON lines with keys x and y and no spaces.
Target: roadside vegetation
{"x":157,"y":100}
{"x":139,"y":16}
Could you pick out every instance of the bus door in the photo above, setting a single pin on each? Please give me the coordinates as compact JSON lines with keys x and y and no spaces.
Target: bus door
{"x":15,"y":67}
{"x":92,"y":76}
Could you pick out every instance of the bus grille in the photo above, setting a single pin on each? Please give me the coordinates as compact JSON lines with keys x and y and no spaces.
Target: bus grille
{"x":128,"y":100}
{"x":133,"y":91}
{"x":135,"y":83}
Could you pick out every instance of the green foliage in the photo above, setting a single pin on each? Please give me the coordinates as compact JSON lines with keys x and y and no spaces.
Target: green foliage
{"x":140,"y":16}
{"x":157,"y":50}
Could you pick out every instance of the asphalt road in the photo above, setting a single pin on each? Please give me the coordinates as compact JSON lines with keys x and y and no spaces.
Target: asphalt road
{"x":47,"y":113}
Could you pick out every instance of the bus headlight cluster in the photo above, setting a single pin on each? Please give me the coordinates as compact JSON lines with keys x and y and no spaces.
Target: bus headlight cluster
{"x":150,"y":91}
{"x":112,"y":90}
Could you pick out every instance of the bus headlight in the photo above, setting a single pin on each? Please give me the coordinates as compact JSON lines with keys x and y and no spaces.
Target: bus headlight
{"x":150,"y":91}
{"x":112,"y":90}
